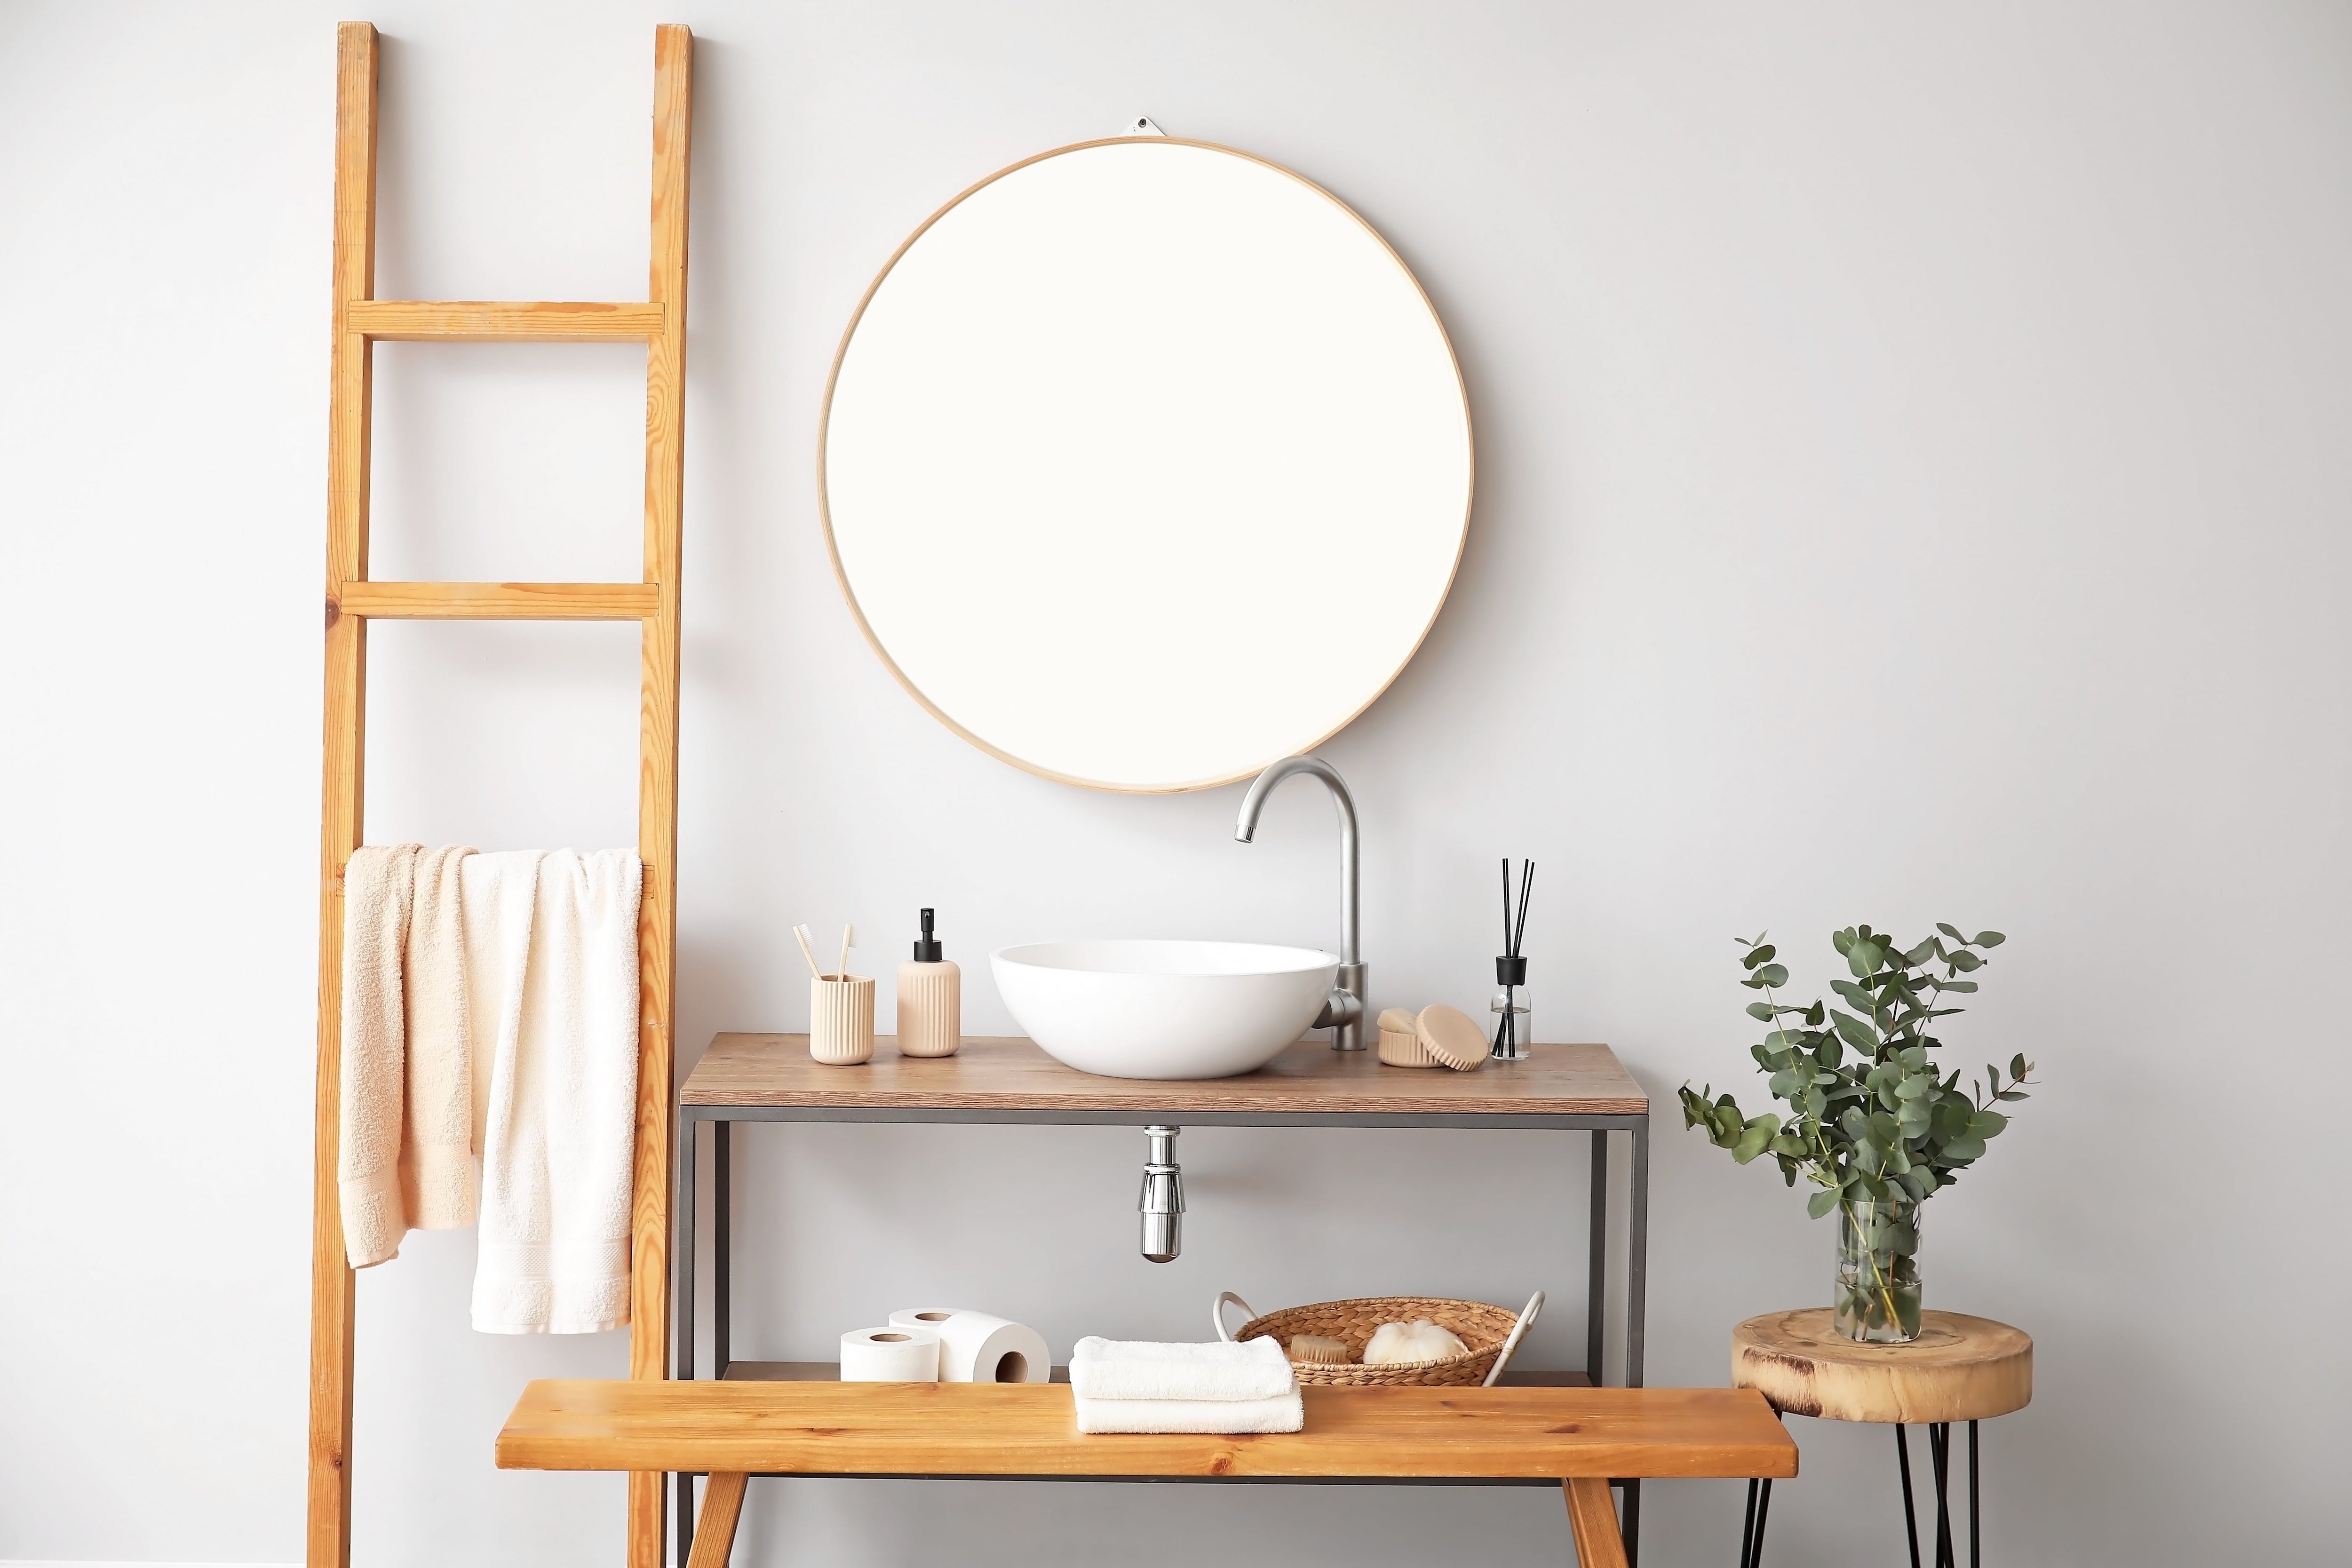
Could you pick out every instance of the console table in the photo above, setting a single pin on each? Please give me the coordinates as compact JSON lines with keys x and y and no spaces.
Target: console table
{"x":772,"y":1078}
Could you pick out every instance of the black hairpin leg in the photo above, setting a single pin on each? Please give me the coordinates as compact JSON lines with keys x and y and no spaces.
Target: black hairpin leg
{"x":1940,"y":1435}
{"x":1975,"y":1534}
{"x":1751,"y":1535}
{"x":1910,"y":1515}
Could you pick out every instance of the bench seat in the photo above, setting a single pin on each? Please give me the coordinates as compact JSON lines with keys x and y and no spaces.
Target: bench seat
{"x":1579,"y":1437}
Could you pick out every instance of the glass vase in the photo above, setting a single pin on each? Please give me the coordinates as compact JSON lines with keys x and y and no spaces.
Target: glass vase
{"x":1878,"y":1270}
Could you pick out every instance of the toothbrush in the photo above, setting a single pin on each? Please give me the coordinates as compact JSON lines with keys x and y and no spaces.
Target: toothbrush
{"x":842,"y":969}
{"x":801,"y":935}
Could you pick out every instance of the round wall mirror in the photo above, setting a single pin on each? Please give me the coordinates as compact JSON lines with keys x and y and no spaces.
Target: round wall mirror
{"x":1145,"y":463}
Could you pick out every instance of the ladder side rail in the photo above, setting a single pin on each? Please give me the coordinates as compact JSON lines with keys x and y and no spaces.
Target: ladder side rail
{"x":657,"y":769}
{"x":334,"y":1293}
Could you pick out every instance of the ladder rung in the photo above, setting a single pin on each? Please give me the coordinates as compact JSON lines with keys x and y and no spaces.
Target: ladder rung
{"x":502,"y":601}
{"x":497,"y":321}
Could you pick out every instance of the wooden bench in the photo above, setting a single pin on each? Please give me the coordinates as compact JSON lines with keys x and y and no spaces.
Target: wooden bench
{"x":1575,"y":1437}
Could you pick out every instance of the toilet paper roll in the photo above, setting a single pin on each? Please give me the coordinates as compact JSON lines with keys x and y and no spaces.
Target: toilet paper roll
{"x":977,"y":1347}
{"x":892,"y":1353}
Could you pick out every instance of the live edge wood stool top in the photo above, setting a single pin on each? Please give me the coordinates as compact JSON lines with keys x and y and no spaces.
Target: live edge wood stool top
{"x":1031,"y":1429}
{"x":995,"y":1073}
{"x":1959,"y":1368}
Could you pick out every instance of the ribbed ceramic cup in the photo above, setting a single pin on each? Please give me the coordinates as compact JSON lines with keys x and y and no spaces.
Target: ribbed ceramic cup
{"x":841,"y":1019}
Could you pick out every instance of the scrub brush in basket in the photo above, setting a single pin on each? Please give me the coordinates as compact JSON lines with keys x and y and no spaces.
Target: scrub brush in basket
{"x":1317,"y":1350}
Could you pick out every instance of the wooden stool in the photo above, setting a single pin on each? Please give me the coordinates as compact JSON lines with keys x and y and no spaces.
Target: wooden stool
{"x":1958,"y":1369}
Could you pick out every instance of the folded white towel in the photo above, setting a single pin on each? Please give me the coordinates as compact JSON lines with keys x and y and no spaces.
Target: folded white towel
{"x":1285,"y":1412}
{"x":551,"y":951}
{"x":379,"y":882}
{"x":438,"y":1149}
{"x":1146,"y":1369}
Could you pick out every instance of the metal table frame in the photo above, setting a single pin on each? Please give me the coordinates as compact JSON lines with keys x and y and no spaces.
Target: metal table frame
{"x":722,"y":1120}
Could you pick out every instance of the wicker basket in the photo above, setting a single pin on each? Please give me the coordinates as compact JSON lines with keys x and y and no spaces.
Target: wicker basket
{"x":1483,"y":1328}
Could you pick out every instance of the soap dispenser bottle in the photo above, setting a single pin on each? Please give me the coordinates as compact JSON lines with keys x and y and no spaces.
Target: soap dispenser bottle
{"x":930,"y":1000}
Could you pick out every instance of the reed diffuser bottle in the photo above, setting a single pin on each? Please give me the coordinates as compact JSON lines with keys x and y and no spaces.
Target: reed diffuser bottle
{"x":930,"y":1000}
{"x":1513,"y":1014}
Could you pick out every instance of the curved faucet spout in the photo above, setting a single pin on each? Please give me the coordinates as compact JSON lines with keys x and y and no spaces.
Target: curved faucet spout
{"x":1344,"y":1014}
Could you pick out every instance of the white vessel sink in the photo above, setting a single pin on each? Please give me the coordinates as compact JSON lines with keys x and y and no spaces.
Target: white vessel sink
{"x":1163,"y":1009}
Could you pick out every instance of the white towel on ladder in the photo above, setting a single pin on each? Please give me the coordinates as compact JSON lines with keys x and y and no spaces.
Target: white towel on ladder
{"x":552,"y":955}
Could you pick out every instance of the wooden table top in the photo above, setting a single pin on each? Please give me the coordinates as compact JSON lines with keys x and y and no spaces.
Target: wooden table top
{"x":1001,"y":1073}
{"x":1959,"y":1368}
{"x":1031,"y":1429}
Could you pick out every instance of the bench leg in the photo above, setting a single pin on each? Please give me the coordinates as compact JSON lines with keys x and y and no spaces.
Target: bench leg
{"x":1592,"y":1515}
{"x":714,"y":1532}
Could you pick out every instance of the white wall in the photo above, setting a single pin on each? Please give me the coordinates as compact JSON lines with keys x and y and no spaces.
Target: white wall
{"x":1913,"y":477}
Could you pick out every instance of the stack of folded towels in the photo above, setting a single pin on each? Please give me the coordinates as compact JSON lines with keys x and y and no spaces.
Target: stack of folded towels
{"x":1131,"y":1385}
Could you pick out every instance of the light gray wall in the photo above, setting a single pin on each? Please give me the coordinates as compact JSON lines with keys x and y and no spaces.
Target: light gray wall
{"x":1913,"y":462}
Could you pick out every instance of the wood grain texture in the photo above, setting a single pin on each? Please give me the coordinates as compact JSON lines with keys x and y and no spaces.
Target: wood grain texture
{"x":498,"y":601}
{"x":830,"y":1372}
{"x":714,"y":1528}
{"x":1959,"y":1368}
{"x":1029,"y":1430}
{"x":327,"y":1536}
{"x":1592,"y":1516}
{"x":649,"y":1283}
{"x":501,"y":322}
{"x":1002,"y":1073}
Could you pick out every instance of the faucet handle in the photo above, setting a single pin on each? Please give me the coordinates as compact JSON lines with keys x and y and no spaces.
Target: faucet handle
{"x":1341,"y":1008}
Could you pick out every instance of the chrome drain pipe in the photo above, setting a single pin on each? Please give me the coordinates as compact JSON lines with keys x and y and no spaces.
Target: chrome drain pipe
{"x":1161,"y":1203}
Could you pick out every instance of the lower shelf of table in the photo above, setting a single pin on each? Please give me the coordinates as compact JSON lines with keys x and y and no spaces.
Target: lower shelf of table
{"x":830,"y":1372}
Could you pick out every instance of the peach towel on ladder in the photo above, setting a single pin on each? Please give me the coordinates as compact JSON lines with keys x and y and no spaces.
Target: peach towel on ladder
{"x":438,"y":1147}
{"x":379,"y":883}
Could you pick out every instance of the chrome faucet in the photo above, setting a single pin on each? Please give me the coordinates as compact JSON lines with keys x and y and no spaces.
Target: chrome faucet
{"x":1343,"y":1010}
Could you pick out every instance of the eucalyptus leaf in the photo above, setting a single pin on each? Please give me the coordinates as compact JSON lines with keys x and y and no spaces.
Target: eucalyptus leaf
{"x":1821,"y":1202}
{"x":1855,"y":1032}
{"x":1989,"y":939}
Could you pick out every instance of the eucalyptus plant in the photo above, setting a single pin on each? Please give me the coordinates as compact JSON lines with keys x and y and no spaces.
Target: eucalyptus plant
{"x":1874,"y":1122}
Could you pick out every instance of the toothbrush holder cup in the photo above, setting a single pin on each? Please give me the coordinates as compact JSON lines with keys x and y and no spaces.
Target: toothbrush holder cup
{"x":841,"y":1019}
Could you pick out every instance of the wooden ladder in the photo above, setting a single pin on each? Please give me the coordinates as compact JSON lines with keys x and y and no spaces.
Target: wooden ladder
{"x":361,"y":320}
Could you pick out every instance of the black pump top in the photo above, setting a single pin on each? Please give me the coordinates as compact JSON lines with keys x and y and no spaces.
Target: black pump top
{"x":927,"y":951}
